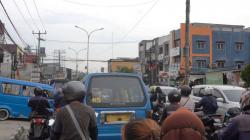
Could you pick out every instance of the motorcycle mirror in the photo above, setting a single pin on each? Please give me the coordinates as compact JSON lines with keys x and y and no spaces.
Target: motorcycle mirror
{"x":51,"y":122}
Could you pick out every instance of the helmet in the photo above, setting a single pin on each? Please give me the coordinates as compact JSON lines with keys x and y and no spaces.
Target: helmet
{"x":185,"y":90}
{"x":38,"y":91}
{"x":158,"y":90}
{"x":174,"y":96}
{"x":208,"y":91}
{"x":245,"y":100}
{"x":73,"y":91}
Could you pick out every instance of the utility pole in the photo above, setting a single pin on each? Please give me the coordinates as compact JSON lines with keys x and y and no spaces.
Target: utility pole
{"x":39,"y":40}
{"x":186,"y":52}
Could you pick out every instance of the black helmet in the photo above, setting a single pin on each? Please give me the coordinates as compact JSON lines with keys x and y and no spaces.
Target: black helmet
{"x":174,"y":96}
{"x":38,"y":91}
{"x":185,"y":90}
{"x":73,"y":91}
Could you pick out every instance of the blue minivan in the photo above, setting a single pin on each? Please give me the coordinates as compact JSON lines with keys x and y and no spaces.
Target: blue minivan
{"x":14,"y":97}
{"x":116,"y":99}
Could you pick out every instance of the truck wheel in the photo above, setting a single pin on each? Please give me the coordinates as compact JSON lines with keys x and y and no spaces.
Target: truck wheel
{"x":4,"y":114}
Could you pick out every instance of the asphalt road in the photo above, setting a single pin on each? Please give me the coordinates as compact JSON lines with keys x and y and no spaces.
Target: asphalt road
{"x":10,"y":127}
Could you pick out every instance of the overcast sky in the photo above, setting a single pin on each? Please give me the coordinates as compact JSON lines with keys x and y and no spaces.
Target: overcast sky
{"x":128,"y":20}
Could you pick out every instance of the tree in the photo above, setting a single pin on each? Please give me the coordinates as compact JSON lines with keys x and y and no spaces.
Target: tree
{"x":245,"y":75}
{"x":124,"y":70}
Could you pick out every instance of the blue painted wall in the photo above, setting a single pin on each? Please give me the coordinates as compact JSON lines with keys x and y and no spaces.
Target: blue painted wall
{"x":196,"y":38}
{"x":229,"y":54}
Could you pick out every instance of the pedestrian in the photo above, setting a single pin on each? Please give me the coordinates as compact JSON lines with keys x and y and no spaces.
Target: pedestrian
{"x":75,"y":121}
{"x":174,"y":98}
{"x":182,"y":125}
{"x":239,"y":128}
{"x":145,"y":129}
{"x":186,"y":101}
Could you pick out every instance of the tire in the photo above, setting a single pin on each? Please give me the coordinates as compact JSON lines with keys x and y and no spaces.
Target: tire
{"x":4,"y":114}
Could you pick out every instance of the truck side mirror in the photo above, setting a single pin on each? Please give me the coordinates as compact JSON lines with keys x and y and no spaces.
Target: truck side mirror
{"x":220,"y":100}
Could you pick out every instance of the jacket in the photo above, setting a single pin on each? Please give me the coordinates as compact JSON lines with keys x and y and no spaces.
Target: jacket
{"x":238,"y":129}
{"x":209,"y":104}
{"x":39,"y":105}
{"x":168,"y":110}
{"x":188,"y":103}
{"x":64,"y":128}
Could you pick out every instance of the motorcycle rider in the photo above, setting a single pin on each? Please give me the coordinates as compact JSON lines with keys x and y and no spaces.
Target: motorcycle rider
{"x":208,"y":102}
{"x":239,"y":128}
{"x":174,"y":98}
{"x":83,"y":124}
{"x":39,"y":104}
{"x":186,"y":101}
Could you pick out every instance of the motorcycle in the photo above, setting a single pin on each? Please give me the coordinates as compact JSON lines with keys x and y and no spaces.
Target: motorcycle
{"x":212,"y":124}
{"x":40,"y":128}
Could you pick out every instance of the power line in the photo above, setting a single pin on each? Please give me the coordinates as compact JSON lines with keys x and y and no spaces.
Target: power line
{"x":79,"y":42}
{"x":140,"y":19}
{"x":25,"y":44}
{"x":25,"y":20}
{"x":109,"y":6}
{"x":39,"y":15}
{"x":32,"y":19}
{"x":21,"y":13}
{"x":7,"y":33}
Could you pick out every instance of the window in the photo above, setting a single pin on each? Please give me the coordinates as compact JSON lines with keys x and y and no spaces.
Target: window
{"x":11,"y":88}
{"x":239,"y":64}
{"x":177,"y":43}
{"x":233,"y":95}
{"x":220,"y":64}
{"x":28,"y":91}
{"x":217,"y":94}
{"x":220,"y":45}
{"x":166,"y":49}
{"x":200,"y":44}
{"x":239,"y":46}
{"x":201,"y":63}
{"x":123,"y":92}
{"x":160,"y":50}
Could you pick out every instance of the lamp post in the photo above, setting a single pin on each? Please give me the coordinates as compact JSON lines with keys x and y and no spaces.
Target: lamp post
{"x":88,"y":35}
{"x":76,"y":53}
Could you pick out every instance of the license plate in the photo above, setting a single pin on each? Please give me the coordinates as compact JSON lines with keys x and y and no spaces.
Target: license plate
{"x":117,"y":118}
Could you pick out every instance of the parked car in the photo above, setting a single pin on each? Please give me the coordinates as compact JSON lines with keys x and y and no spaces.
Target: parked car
{"x":14,"y":96}
{"x":116,"y":99}
{"x":227,"y":96}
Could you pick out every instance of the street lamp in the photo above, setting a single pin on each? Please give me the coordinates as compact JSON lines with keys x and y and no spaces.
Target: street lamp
{"x":76,"y":53}
{"x":88,"y":35}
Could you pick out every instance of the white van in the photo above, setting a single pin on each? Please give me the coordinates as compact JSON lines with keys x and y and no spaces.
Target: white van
{"x":227,"y":96}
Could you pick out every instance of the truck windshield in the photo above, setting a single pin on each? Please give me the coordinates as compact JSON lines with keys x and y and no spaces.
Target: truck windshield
{"x":115,"y":91}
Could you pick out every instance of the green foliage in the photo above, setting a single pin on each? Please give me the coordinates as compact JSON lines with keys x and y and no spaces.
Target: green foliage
{"x":124,"y":70}
{"x":245,"y":75}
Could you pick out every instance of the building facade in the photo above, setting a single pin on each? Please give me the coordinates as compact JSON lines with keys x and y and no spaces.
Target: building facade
{"x":212,"y":47}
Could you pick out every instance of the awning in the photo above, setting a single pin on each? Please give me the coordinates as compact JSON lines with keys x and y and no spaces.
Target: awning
{"x":195,"y":77}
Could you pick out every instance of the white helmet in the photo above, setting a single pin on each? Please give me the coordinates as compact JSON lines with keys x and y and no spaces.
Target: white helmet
{"x":208,"y":91}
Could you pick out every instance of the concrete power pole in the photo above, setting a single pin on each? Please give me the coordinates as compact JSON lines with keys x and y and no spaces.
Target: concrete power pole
{"x":187,"y":42}
{"x":38,"y":47}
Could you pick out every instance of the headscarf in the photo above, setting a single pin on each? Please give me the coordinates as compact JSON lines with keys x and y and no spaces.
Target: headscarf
{"x":182,"y":125}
